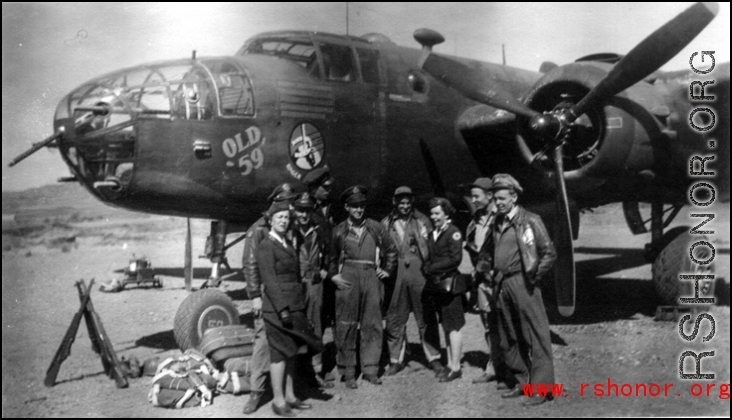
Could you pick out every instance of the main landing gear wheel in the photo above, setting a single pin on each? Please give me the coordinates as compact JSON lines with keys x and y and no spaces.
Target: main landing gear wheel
{"x":200,"y":311}
{"x":674,"y":260}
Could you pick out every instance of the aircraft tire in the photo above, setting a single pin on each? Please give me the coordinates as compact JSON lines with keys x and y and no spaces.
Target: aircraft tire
{"x":674,"y":260}
{"x":200,"y":311}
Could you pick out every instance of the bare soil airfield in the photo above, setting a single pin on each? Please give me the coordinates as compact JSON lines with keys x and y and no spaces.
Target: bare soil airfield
{"x":54,"y":236}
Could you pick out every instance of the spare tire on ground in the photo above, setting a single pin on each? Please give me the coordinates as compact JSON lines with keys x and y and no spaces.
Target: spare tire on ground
{"x":200,"y":311}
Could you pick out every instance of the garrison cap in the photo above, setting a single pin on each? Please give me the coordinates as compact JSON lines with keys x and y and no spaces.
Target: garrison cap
{"x":403,"y":191}
{"x":318,"y":177}
{"x":282,"y":192}
{"x":506,"y":182}
{"x":305,"y":201}
{"x":354,"y":194}
{"x":278,"y":206}
{"x":484,"y":184}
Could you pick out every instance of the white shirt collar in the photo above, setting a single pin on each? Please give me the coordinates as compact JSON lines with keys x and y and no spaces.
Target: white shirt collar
{"x":277,"y":238}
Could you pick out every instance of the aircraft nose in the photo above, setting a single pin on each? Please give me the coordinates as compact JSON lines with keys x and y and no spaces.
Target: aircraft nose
{"x":101,"y":117}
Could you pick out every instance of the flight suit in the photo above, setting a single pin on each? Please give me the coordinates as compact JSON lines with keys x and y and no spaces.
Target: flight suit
{"x":355,"y":250}
{"x":410,"y":238}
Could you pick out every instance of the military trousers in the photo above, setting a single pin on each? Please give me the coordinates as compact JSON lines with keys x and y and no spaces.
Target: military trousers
{"x":359,"y":306}
{"x":524,"y":332}
{"x":489,"y":315}
{"x":260,"y":357}
{"x":407,"y":297}
{"x":314,"y":312}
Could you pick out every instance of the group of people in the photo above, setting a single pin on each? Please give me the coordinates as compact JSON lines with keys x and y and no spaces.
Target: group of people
{"x":305,"y":273}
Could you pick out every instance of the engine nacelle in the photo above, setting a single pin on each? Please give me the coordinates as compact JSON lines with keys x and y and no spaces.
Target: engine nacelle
{"x":599,"y":144}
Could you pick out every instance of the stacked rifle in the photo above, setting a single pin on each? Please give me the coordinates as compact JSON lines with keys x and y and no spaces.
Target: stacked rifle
{"x":100,"y":341}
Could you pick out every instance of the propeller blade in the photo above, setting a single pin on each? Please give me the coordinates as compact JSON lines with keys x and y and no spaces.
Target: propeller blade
{"x":188,"y":264}
{"x":649,"y":55}
{"x":564,"y":273}
{"x":476,"y":87}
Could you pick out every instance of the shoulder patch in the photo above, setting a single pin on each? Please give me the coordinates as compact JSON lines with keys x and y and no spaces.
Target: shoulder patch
{"x":457,"y":236}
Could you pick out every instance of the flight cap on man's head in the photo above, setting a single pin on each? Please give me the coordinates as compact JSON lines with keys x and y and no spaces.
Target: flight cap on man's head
{"x":304,"y":202}
{"x":354,"y":195}
{"x":318,"y":177}
{"x":484,"y":184}
{"x":506,"y":182}
{"x":282,"y":192}
{"x":403,"y":191}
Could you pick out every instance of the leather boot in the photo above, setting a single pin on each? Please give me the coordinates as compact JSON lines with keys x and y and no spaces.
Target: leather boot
{"x":252,"y":403}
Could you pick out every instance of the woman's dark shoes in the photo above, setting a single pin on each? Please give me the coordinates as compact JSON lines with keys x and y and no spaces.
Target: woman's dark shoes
{"x":252,"y":403}
{"x":284,"y":411}
{"x":451,"y":375}
{"x":515,"y":392}
{"x":299,"y":405}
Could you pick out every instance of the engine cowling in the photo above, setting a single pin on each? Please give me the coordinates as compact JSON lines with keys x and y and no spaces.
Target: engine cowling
{"x":599,"y":142}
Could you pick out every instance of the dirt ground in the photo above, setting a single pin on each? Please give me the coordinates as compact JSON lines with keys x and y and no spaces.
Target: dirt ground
{"x":612,"y":337}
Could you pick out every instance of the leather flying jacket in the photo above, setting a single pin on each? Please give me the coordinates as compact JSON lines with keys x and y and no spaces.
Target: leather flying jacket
{"x":473,"y":251}
{"x":416,"y":232}
{"x":535,"y":246}
{"x":311,"y":251}
{"x":381,"y":237}
{"x":255,"y":234}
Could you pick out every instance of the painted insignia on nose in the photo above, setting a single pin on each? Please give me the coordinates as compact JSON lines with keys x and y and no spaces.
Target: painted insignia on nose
{"x":306,"y":146}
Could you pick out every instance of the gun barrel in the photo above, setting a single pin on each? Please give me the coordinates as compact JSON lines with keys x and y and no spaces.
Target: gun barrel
{"x":37,"y":146}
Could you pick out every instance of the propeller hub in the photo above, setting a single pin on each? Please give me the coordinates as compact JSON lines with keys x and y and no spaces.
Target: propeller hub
{"x":545,"y":126}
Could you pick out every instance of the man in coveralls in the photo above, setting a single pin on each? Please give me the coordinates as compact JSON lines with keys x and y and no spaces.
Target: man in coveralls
{"x":357,"y":244}
{"x":408,"y":229}
{"x":309,"y":240}
{"x":478,"y":230}
{"x":260,"y":356}
{"x":523,"y":254}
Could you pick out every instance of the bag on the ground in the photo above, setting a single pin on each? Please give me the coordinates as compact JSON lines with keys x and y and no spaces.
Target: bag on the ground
{"x":230,"y":341}
{"x":185,"y":381}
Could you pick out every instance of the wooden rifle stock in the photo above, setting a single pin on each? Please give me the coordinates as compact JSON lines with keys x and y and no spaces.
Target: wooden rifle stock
{"x":64,"y":349}
{"x":103,"y":347}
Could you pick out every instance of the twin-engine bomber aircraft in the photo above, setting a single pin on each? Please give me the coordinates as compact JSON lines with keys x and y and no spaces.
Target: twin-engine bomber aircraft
{"x":211,"y":137}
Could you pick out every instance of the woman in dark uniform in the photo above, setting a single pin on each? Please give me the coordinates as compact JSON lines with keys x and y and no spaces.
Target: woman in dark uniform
{"x":288,"y":330}
{"x":445,"y":254}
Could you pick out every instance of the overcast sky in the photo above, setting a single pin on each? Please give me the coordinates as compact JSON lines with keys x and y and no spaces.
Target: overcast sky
{"x":49,"y":49}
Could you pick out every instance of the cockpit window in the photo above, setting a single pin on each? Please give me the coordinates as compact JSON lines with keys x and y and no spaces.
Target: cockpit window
{"x":182,"y":90}
{"x":338,"y":62}
{"x":369,"y":61}
{"x":300,"y":51}
{"x":235,"y":90}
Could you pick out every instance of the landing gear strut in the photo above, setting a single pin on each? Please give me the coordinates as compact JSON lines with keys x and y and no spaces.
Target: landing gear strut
{"x":216,"y":248}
